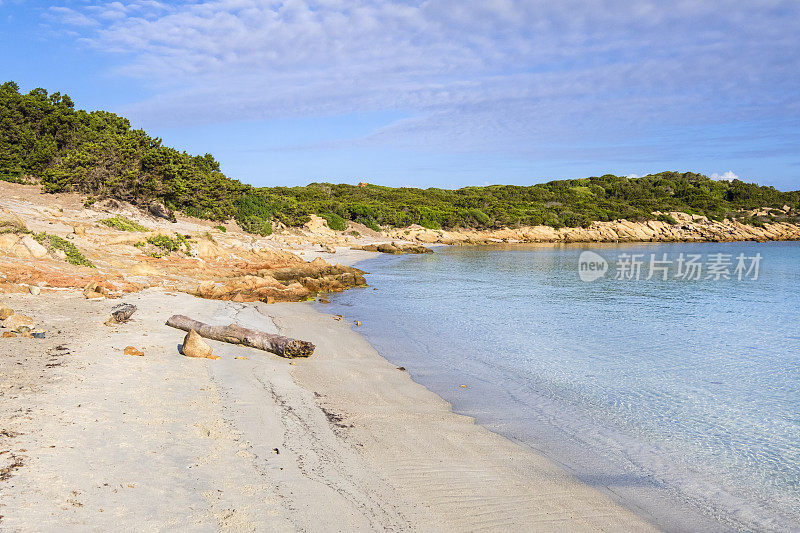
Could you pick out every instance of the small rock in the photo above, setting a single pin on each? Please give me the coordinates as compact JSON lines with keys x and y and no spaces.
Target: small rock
{"x":34,"y":290}
{"x":357,"y":323}
{"x":121,"y":313}
{"x":80,"y":229}
{"x":401,"y":368}
{"x":15,"y":321}
{"x":94,"y":292}
{"x":463,"y":386}
{"x":130,"y":350}
{"x":38,"y":334}
{"x":5,"y":312}
{"x":241,"y":358}
{"x":61,"y":254}
{"x":337,"y":317}
{"x":195,"y":346}
{"x":9,"y":335}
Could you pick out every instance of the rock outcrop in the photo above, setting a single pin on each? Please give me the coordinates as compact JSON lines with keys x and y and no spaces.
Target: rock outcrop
{"x":395,"y":248}
{"x":16,"y":322}
{"x":689,"y":228}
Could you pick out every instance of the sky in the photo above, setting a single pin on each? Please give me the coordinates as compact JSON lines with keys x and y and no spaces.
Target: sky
{"x":435,"y":93}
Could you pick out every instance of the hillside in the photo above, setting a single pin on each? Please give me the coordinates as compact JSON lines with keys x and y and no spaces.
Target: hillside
{"x":46,"y":141}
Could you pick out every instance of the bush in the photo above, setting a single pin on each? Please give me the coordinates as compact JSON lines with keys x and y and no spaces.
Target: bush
{"x":123,"y":224}
{"x":669,"y":219}
{"x":369,"y":222}
{"x":223,"y":229}
{"x":165,"y":245}
{"x":335,"y":222}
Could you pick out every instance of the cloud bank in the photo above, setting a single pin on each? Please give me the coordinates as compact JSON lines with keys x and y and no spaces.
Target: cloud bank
{"x":499,"y":75}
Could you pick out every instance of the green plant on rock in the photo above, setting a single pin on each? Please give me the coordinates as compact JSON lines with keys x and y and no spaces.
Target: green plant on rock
{"x":165,"y":245}
{"x":124,"y":224}
{"x":54,"y":242}
{"x":669,"y":219}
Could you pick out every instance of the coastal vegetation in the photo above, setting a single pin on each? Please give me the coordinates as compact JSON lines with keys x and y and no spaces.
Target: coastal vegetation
{"x":71,"y":253}
{"x":162,"y":245}
{"x":123,"y":224}
{"x":45,"y":140}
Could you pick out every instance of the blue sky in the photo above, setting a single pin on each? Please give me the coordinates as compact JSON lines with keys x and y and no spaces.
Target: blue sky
{"x":442,"y":93}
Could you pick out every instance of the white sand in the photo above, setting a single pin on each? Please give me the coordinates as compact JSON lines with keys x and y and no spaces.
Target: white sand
{"x":116,"y":442}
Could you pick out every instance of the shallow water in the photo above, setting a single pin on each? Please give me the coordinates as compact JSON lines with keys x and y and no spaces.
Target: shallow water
{"x":680,"y":397}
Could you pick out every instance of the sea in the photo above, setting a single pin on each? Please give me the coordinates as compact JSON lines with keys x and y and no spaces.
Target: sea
{"x":666,"y":375}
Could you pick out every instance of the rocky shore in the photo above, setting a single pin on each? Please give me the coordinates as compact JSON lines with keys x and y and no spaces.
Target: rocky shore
{"x":51,"y":242}
{"x":688,"y":228}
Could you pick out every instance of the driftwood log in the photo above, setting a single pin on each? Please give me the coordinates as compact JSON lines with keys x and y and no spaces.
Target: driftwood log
{"x":277,"y":344}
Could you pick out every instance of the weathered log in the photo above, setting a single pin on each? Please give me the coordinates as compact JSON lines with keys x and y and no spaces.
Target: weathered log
{"x":277,"y":344}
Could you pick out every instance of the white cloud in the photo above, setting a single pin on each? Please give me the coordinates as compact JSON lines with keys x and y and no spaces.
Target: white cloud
{"x":70,"y":17}
{"x":725,"y":176}
{"x":500,"y":73}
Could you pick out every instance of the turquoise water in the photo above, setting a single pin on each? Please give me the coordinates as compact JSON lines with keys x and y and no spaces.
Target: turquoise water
{"x":680,"y":397}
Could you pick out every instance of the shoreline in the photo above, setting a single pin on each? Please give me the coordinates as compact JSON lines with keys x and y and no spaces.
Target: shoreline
{"x":166,"y":441}
{"x":684,"y":511}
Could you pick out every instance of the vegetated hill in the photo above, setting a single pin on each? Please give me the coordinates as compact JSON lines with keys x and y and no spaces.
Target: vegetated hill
{"x":45,"y":140}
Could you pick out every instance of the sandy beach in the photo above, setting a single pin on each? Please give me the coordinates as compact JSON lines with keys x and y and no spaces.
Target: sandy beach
{"x":342,"y":441}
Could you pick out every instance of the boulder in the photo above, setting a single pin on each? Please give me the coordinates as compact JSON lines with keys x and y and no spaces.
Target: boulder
{"x":80,"y":229}
{"x":36,"y":250}
{"x":5,"y":311}
{"x":195,"y":346}
{"x":121,"y":313}
{"x":34,"y":290}
{"x":93,"y":291}
{"x":388,"y":249}
{"x":16,"y":322}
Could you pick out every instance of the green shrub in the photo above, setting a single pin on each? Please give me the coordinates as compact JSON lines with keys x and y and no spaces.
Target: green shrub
{"x":165,"y":245}
{"x":669,"y":219}
{"x":335,"y":222}
{"x":223,"y":229}
{"x":369,"y":222}
{"x":53,"y":242}
{"x":124,"y":224}
{"x":99,"y":154}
